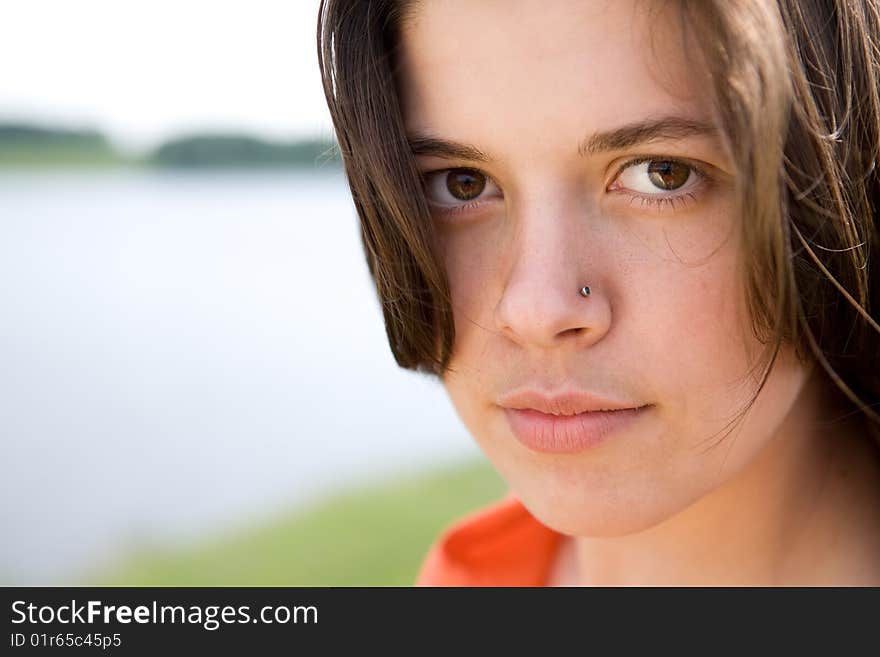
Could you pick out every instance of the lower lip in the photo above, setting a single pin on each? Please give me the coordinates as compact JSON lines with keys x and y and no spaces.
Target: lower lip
{"x":568,"y":434}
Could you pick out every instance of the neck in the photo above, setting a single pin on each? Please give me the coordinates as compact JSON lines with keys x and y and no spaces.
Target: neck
{"x":801,"y":513}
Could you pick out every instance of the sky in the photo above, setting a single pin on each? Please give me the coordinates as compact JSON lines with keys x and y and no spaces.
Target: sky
{"x":142,"y":71}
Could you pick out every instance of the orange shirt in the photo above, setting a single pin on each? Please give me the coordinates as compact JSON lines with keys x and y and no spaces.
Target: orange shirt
{"x":499,"y":545}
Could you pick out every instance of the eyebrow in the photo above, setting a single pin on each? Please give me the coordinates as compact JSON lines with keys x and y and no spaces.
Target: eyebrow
{"x":627,"y":136}
{"x":450,"y":150}
{"x":633,"y":134}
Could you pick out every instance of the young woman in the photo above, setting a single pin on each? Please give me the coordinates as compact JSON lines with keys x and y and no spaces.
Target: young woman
{"x":637,"y":241}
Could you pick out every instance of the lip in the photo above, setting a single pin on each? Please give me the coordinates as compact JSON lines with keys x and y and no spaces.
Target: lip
{"x":565,"y":402}
{"x":566,"y":422}
{"x":568,"y":434}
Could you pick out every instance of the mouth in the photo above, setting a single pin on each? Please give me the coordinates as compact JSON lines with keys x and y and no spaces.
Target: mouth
{"x":562,"y":433}
{"x":565,"y":402}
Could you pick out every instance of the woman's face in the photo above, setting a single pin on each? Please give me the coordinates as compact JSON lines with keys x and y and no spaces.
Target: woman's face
{"x":591,"y":161}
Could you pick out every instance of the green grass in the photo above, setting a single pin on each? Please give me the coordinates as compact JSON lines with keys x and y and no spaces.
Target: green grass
{"x":369,"y":537}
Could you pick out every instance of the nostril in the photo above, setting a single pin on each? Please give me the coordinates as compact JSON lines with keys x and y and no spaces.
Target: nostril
{"x":575,"y":331}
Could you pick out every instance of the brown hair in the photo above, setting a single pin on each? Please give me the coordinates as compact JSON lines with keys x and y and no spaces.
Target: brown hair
{"x":797,"y":95}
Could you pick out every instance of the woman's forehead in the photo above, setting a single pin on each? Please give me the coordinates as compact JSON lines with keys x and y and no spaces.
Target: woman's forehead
{"x":487,"y":70}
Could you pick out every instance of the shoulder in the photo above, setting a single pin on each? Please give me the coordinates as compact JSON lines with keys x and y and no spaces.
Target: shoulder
{"x":498,"y":545}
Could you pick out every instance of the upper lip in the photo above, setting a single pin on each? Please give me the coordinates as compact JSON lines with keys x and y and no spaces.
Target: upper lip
{"x":567,"y":402}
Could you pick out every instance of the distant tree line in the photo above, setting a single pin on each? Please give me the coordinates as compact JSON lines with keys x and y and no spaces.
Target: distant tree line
{"x":244,"y":151}
{"x":23,"y":143}
{"x":20,"y":134}
{"x":29,"y":145}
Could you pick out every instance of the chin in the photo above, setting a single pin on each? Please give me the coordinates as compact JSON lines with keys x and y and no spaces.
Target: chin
{"x":596,"y":522}
{"x":594,"y":511}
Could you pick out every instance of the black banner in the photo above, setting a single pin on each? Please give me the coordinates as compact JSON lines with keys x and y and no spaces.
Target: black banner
{"x":109,"y":621}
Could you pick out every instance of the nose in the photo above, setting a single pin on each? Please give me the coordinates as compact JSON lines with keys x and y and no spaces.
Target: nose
{"x":541,"y":305}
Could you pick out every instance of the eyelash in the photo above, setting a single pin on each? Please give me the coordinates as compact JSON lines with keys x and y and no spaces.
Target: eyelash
{"x":671,"y":202}
{"x":458,"y":209}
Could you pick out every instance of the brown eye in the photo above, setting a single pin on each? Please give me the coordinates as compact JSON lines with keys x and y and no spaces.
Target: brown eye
{"x":465,"y":184}
{"x":459,"y":190}
{"x":668,"y":175}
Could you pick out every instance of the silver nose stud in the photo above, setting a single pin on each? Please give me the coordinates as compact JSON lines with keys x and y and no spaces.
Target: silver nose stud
{"x":585,"y":291}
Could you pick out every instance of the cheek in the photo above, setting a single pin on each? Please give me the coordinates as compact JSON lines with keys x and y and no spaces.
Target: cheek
{"x":711,"y":352}
{"x":681,"y":313}
{"x":470,"y":255}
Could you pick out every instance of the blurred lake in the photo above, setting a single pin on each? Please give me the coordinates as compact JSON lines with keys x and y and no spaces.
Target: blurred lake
{"x":187,"y":352}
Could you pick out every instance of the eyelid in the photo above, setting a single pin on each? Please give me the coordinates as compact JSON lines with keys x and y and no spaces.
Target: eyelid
{"x":447,"y":169}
